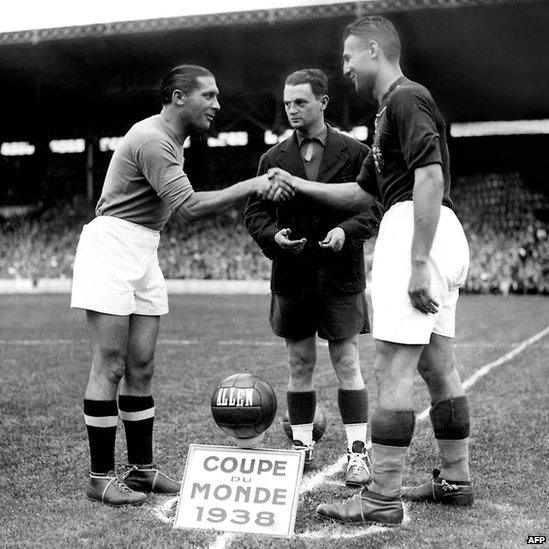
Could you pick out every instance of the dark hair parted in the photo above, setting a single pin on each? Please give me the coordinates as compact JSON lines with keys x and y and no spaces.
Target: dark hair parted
{"x":314,"y":77}
{"x":379,"y":29}
{"x":182,"y":77}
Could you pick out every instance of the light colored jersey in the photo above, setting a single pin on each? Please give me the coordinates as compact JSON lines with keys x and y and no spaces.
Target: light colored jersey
{"x":145,"y":181}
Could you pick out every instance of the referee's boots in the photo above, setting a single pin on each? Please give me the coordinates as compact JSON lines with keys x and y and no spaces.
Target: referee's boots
{"x":357,"y":473}
{"x":308,"y":463}
{"x":147,"y":478}
{"x":440,"y":490}
{"x":109,"y":489}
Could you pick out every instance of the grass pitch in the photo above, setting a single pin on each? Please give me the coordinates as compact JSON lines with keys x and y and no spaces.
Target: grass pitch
{"x":44,"y":362}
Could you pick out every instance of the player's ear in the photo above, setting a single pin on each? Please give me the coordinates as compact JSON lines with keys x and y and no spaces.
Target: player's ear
{"x":178,"y":97}
{"x":324,"y":100}
{"x":373,"y":49}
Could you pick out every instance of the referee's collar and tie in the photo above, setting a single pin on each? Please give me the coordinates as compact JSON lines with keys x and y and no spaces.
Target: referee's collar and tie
{"x":311,"y":150}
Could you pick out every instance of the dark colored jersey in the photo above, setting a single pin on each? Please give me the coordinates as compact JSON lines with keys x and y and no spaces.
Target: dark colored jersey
{"x":409,"y":133}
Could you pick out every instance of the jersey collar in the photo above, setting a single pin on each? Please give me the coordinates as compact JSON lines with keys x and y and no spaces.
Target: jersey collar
{"x":400,"y":80}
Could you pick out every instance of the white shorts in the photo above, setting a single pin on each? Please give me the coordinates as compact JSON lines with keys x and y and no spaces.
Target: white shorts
{"x":116,"y":269}
{"x":394,"y":317}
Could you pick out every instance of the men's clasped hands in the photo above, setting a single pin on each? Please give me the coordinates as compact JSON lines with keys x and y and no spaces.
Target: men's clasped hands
{"x":281,"y":186}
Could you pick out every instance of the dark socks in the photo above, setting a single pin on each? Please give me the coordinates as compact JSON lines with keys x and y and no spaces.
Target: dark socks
{"x":353,"y":406}
{"x":301,"y":411}
{"x":137,"y":413}
{"x":101,"y":418}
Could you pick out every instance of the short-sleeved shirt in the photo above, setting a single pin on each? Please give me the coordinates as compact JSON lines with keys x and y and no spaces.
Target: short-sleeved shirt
{"x":145,"y":181}
{"x":410,"y":132}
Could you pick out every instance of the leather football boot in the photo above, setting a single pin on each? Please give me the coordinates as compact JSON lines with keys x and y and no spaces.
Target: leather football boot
{"x":109,"y":489}
{"x":147,"y":478}
{"x":439,"y":490}
{"x":358,"y":466}
{"x":365,"y":508}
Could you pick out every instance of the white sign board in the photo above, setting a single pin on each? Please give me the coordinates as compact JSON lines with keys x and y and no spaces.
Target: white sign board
{"x":240,"y":490}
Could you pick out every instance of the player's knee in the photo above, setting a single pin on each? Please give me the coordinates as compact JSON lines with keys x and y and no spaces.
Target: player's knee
{"x":107,"y":373}
{"x":137,"y":381}
{"x":432,"y":372}
{"x":301,"y":366}
{"x":424,"y":370}
{"x":142,"y":364}
{"x":111,"y":362}
{"x":347,"y":366}
{"x":140,"y":373}
{"x":112,"y":356}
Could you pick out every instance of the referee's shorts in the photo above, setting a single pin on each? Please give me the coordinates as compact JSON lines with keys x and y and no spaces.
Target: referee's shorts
{"x":333,"y":315}
{"x":394,"y":317}
{"x":116,"y":269}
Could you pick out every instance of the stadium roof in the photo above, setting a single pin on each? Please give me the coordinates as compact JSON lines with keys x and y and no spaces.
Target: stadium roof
{"x":482,"y":59}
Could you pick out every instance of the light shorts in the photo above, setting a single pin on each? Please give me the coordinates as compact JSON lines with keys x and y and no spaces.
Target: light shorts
{"x":116,"y":269}
{"x":394,"y":317}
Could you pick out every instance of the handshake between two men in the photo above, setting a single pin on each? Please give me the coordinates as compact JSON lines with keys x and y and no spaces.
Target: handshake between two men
{"x":280,"y":186}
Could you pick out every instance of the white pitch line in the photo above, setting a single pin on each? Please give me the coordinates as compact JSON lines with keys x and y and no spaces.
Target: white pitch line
{"x":27,"y":342}
{"x":161,"y":511}
{"x":237,"y":343}
{"x":506,"y":358}
{"x":319,"y":478}
{"x":178,"y":341}
{"x":368,"y":531}
{"x":266,"y":343}
{"x":222,"y":540}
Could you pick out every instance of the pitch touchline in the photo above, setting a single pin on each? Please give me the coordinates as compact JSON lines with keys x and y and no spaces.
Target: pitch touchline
{"x":230,"y":342}
{"x":311,"y":483}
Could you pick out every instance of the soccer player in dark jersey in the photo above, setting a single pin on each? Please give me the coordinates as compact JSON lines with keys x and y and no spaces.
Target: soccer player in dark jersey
{"x":118,"y":281}
{"x":420,"y":261}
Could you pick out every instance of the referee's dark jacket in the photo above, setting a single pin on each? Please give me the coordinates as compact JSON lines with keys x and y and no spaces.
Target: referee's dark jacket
{"x":314,"y":268}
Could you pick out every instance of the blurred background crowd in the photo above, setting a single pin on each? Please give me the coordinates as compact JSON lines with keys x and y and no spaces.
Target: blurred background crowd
{"x":505,"y":222}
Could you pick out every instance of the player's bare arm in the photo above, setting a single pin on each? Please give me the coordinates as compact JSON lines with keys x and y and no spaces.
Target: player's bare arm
{"x":204,"y":203}
{"x":342,"y":196}
{"x":428,"y":191}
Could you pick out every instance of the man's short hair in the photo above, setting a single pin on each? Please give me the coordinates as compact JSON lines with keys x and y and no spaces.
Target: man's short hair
{"x":314,"y":77}
{"x":182,"y":77}
{"x":376,"y":28}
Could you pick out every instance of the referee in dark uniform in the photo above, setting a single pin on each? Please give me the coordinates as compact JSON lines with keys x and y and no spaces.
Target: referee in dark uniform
{"x":318,"y":274}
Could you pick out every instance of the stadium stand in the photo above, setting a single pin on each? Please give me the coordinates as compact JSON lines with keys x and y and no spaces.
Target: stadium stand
{"x":503,"y":218}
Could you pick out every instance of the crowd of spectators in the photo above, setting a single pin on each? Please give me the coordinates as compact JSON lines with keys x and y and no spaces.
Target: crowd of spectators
{"x":506,"y":225}
{"x":505,"y":222}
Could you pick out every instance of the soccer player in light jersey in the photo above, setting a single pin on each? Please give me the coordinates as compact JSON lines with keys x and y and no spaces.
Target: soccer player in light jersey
{"x":118,"y":281}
